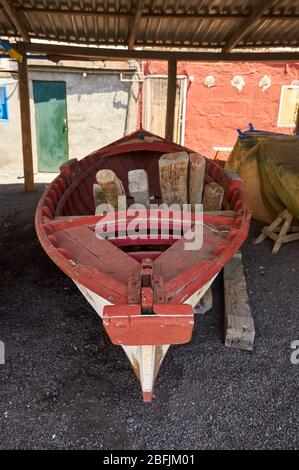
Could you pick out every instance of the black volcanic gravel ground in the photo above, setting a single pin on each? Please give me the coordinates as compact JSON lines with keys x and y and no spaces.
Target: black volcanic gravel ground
{"x":65,"y":386}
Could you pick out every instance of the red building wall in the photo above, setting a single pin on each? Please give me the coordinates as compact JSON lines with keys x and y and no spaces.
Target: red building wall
{"x":213,"y":114}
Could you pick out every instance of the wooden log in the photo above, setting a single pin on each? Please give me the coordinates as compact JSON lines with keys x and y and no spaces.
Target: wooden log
{"x":212,"y":197}
{"x":98,"y":195}
{"x":111,"y":186}
{"x":238,"y":323}
{"x":197,"y":165}
{"x":25,"y":120}
{"x":101,"y":208}
{"x":139,"y":187}
{"x":173,"y":172}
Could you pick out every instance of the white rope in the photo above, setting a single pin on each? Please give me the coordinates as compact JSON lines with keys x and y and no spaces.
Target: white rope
{"x":214,"y":229}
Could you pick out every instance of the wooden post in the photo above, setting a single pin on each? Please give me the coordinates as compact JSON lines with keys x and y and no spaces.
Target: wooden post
{"x":297,"y":121}
{"x":132,"y":108}
{"x":171,"y":95}
{"x":25,"y":119}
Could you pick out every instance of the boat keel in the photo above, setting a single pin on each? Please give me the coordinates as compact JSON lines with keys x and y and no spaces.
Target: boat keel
{"x":146,"y":362}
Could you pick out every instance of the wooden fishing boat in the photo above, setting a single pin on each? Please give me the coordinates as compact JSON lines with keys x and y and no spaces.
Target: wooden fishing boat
{"x":145,"y":290}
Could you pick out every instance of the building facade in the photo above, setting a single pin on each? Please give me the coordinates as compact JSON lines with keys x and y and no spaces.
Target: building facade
{"x":221,"y":97}
{"x":77,"y":108}
{"x":74,"y":110}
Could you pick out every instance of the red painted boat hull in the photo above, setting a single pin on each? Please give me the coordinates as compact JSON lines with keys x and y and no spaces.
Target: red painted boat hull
{"x":137,"y":315}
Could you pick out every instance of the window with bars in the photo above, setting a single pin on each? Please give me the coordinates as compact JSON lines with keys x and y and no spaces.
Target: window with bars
{"x":288,"y":107}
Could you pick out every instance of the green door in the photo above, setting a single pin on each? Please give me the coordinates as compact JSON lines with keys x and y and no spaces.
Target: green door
{"x":51,"y":124}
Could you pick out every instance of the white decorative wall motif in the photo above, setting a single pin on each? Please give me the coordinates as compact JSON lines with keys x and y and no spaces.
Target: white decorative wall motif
{"x":265,"y":82}
{"x":238,"y":82}
{"x":209,"y":81}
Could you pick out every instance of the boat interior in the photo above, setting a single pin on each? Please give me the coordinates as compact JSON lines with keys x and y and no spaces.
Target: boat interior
{"x":67,"y":213}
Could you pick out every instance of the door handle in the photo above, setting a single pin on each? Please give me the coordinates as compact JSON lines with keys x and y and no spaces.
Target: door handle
{"x":65,"y":127}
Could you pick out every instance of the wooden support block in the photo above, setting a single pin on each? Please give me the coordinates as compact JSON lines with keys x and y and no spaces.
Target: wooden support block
{"x":139,"y":187}
{"x":212,"y":197}
{"x":111,"y":186}
{"x":197,"y":164}
{"x":173,"y":172}
{"x":238,"y":323}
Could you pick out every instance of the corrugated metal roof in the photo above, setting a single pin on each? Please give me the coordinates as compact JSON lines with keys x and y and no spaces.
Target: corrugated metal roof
{"x":169,"y":23}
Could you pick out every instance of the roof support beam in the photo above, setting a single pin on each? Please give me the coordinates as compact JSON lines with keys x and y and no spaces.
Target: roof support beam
{"x":124,"y":15}
{"x":95,"y":53}
{"x":257,"y":13}
{"x":171,"y":96}
{"x":16,"y":18}
{"x":135,"y":24}
{"x":181,"y":48}
{"x":25,"y":120}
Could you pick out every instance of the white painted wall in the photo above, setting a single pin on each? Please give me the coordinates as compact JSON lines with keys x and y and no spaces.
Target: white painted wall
{"x":96,"y":108}
{"x":10,"y":132}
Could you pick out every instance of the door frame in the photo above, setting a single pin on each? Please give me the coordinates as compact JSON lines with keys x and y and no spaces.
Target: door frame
{"x":146,"y":110}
